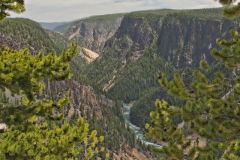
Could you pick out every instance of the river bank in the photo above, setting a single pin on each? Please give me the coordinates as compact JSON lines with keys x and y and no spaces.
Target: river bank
{"x":139,"y":133}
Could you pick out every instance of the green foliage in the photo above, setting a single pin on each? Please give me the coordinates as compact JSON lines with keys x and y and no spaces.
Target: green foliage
{"x":232,"y":9}
{"x":210,"y":114}
{"x":36,"y":127}
{"x":10,"y":5}
{"x":23,"y":73}
{"x":51,"y":141}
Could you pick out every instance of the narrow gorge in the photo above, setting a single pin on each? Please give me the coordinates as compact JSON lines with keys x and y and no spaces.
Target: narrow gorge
{"x":136,"y":47}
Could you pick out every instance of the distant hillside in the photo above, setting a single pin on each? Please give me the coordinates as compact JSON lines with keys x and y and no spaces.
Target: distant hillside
{"x":59,"y":40}
{"x":51,"y":25}
{"x":26,"y":33}
{"x":92,"y":32}
{"x":102,"y":18}
{"x":209,"y":13}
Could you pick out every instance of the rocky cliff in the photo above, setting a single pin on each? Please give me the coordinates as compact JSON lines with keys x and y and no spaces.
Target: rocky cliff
{"x":179,"y":39}
{"x":83,"y":100}
{"x":93,"y":32}
{"x":88,"y":55}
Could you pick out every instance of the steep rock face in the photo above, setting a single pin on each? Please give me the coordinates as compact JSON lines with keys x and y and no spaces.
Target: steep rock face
{"x":94,"y":32}
{"x":83,"y":100}
{"x":88,"y":55}
{"x":131,"y":38}
{"x":145,"y":45}
{"x":185,"y":41}
{"x":9,"y":42}
{"x":182,"y":40}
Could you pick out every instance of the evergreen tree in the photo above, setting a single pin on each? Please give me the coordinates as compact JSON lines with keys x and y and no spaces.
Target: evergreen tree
{"x":210,"y":113}
{"x":206,"y":124}
{"x":232,"y":7}
{"x":10,"y":5}
{"x":36,"y":127}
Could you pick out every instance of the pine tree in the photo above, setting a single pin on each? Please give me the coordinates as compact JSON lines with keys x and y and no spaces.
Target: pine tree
{"x":206,"y":124}
{"x":10,"y":5}
{"x":36,"y":127}
{"x":232,"y":7}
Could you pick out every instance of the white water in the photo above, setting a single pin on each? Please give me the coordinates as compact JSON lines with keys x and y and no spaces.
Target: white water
{"x":138,"y":132}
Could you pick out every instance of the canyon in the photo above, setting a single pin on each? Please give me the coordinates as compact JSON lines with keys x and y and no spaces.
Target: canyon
{"x":119,"y":60}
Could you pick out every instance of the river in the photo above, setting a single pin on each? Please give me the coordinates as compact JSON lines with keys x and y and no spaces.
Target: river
{"x":139,"y":134}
